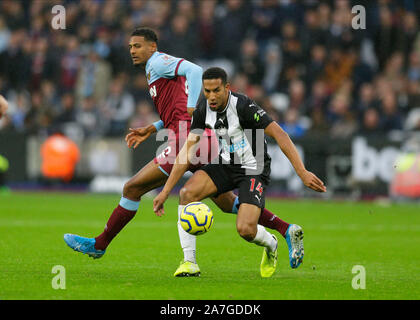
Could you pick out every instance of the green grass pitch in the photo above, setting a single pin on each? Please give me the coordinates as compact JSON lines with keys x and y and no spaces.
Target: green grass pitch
{"x":140,"y":262}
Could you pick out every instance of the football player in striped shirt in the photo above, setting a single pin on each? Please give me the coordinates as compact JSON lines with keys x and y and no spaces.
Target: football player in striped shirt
{"x":243,"y":164}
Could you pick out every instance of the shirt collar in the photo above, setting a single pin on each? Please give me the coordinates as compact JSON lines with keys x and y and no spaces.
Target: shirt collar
{"x":227,"y":104}
{"x":154,"y":55}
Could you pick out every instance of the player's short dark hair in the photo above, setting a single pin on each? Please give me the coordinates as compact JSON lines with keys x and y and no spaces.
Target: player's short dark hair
{"x":215,"y":73}
{"x":148,"y":34}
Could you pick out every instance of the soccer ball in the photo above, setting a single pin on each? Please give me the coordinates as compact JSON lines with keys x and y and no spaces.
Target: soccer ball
{"x":196,"y":218}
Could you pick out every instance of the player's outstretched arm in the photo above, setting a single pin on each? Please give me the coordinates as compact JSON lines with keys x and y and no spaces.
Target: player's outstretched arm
{"x":181,"y":165}
{"x":138,"y":135}
{"x":287,"y":146}
{"x":3,"y":106}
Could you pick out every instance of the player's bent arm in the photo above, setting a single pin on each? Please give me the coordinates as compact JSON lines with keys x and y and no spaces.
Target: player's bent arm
{"x":182,"y":162}
{"x":287,"y":146}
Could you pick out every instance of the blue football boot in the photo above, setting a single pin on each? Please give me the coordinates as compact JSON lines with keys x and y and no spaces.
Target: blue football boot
{"x":294,"y":239}
{"x":83,"y":245}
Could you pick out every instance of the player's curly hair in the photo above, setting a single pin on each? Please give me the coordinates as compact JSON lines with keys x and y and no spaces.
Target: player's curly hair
{"x":215,"y":73}
{"x":148,"y":34}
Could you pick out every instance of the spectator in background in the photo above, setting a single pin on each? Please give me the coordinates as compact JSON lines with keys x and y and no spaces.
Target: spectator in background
{"x":265,"y":18}
{"x":67,"y":110}
{"x":38,"y":115}
{"x":318,"y":99}
{"x":338,"y":68}
{"x":89,"y":117}
{"x":186,"y":8}
{"x":94,"y":77}
{"x":13,"y":61}
{"x":342,"y":121}
{"x":413,"y":95}
{"x":297,"y":92}
{"x":179,"y":39}
{"x":14,"y":14}
{"x":240,"y":84}
{"x":366,"y":100}
{"x":4,"y":35}
{"x":407,"y":34}
{"x":370,"y":125}
{"x":207,"y":29}
{"x":391,"y":118}
{"x":311,"y":32}
{"x":291,"y":45}
{"x":394,"y":72}
{"x":272,"y":66}
{"x":233,"y":22}
{"x":319,"y":125}
{"x":249,"y":62}
{"x":291,"y":124}
{"x":118,"y":108}
{"x":70,"y":64}
{"x":19,"y":108}
{"x":385,"y":38}
{"x":316,"y":64}
{"x":42,"y":64}
{"x":143,"y":116}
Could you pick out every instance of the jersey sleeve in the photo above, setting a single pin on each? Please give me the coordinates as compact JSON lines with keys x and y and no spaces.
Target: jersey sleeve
{"x":199,"y":118}
{"x":166,"y":66}
{"x":193,"y":74}
{"x":253,"y":115}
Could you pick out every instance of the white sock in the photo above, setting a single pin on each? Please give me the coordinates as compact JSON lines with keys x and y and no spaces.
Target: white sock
{"x":188,"y":241}
{"x":265,"y":239}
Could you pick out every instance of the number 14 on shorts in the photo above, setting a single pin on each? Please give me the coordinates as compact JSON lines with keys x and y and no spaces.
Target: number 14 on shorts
{"x":259,"y":187}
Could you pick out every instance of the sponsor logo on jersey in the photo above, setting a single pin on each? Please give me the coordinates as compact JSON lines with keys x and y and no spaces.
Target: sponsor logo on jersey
{"x":234,"y":146}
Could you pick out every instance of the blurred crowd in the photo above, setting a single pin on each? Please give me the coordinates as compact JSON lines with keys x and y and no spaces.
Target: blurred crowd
{"x":302,"y":61}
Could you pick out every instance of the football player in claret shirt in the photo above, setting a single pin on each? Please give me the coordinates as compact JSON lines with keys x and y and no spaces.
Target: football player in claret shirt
{"x":243,"y":164}
{"x":175,"y":86}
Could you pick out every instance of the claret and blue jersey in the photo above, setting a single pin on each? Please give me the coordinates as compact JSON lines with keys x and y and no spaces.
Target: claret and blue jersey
{"x":174,"y":85}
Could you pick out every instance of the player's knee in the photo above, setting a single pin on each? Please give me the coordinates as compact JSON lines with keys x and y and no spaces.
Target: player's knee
{"x":187,"y":195}
{"x":246,"y":231}
{"x":132,"y":190}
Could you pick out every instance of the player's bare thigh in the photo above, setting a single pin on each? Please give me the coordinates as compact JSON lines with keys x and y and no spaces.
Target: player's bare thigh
{"x":197,"y":188}
{"x":247,"y":220}
{"x":148,"y":178}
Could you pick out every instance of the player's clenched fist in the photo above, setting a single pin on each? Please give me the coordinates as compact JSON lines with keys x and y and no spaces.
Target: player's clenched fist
{"x":312,"y":181}
{"x":137,"y":136}
{"x":3,"y":106}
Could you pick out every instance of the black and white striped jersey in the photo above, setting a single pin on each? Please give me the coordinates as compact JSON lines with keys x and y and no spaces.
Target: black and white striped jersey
{"x":240,"y":129}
